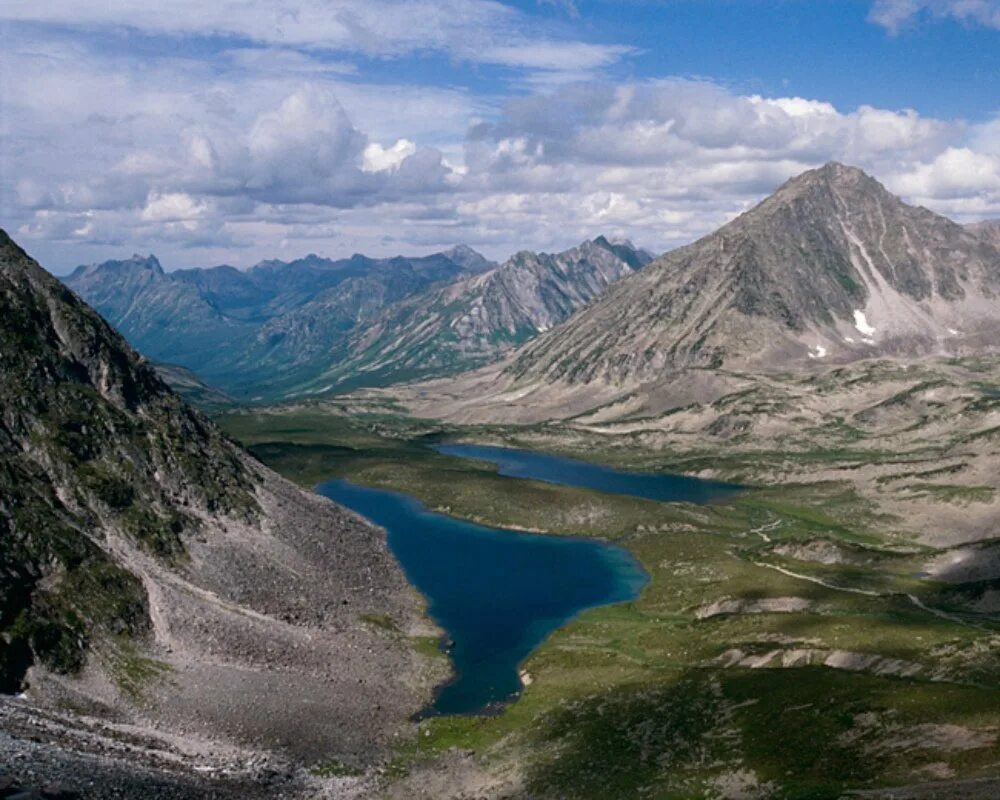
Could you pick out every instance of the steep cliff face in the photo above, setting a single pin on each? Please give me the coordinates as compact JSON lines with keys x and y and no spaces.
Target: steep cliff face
{"x":144,"y":558}
{"x":90,"y":439}
{"x":832,"y":266}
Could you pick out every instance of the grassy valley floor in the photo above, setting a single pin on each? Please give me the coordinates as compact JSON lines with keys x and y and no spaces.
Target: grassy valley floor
{"x":797,"y":641}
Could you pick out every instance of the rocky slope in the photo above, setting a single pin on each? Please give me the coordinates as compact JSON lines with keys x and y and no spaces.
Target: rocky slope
{"x":158,"y":578}
{"x":241,"y":330}
{"x":475,"y":320}
{"x":989,"y":230}
{"x":831,"y":267}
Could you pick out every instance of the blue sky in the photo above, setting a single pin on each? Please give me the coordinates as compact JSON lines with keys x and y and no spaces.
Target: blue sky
{"x":272,"y":128}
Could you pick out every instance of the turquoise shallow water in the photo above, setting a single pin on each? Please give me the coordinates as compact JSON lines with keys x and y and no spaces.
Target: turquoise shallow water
{"x":498,"y":594}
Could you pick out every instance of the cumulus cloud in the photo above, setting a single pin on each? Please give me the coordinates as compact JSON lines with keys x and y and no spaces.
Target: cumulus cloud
{"x":377,"y":158}
{"x":666,"y":161}
{"x":958,"y":172}
{"x":272,"y":148}
{"x":894,"y":15}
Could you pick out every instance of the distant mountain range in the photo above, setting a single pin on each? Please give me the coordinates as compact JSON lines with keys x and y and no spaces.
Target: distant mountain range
{"x":476,"y":319}
{"x":245,"y":330}
{"x":311,"y":325}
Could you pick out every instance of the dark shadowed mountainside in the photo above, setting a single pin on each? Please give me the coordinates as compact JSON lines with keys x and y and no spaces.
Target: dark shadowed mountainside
{"x":155,"y":574}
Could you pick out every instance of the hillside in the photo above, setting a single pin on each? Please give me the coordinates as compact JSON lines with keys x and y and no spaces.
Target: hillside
{"x":155,"y":575}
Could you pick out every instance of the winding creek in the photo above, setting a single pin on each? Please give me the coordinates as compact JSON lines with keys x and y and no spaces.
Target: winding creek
{"x":498,"y":594}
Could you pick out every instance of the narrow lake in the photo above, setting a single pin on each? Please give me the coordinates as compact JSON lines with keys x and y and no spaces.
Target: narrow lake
{"x":664,"y":487}
{"x":498,"y":594}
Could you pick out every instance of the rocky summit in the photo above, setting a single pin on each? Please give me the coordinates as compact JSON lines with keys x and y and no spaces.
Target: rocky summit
{"x":831,"y":268}
{"x":158,"y":586}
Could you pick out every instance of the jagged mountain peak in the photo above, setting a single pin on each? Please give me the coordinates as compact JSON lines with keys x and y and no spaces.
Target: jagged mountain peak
{"x":477,"y":318}
{"x":136,"y":265}
{"x":624,"y":249}
{"x":823,"y":188}
{"x":468,"y":258}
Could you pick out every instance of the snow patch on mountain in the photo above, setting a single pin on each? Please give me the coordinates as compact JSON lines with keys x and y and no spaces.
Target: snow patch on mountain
{"x":861,"y":323}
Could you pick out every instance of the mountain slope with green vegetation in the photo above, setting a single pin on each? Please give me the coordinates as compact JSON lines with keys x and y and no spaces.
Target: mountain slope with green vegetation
{"x":157,"y":577}
{"x":813,"y":637}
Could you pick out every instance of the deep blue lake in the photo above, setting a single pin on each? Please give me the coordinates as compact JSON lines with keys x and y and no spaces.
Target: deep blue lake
{"x":664,"y":487}
{"x":497,"y":593}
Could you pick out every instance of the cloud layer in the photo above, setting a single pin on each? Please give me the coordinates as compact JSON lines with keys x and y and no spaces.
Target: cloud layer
{"x":269,"y":143}
{"x":895,"y":15}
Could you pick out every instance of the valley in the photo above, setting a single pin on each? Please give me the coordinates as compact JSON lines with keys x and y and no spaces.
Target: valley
{"x":315,"y":325}
{"x":812,"y":608}
{"x":721,"y":525}
{"x":500,"y":400}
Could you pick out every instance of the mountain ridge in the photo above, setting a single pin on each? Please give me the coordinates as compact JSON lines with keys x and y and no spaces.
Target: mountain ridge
{"x":234,"y":326}
{"x":476,"y":319}
{"x":155,"y":573}
{"x":313,"y":325}
{"x":830,"y":270}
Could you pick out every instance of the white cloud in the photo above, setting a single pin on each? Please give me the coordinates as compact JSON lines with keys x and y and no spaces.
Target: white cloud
{"x":958,"y":172}
{"x":894,"y":15}
{"x":172,"y":207}
{"x":482,"y":31}
{"x":552,"y":55}
{"x":269,"y":150}
{"x":377,"y":158}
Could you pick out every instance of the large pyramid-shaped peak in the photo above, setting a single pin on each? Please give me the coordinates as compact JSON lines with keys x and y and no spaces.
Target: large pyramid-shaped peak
{"x":831,"y":266}
{"x":833,"y":176}
{"x":825,"y":192}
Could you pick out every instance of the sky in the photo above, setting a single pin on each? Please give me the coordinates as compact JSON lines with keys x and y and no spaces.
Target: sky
{"x":241,"y":130}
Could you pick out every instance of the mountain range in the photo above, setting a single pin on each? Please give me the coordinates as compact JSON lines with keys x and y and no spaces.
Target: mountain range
{"x":240,"y":329}
{"x":476,"y":319}
{"x":286,"y":328}
{"x":830,"y":269}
